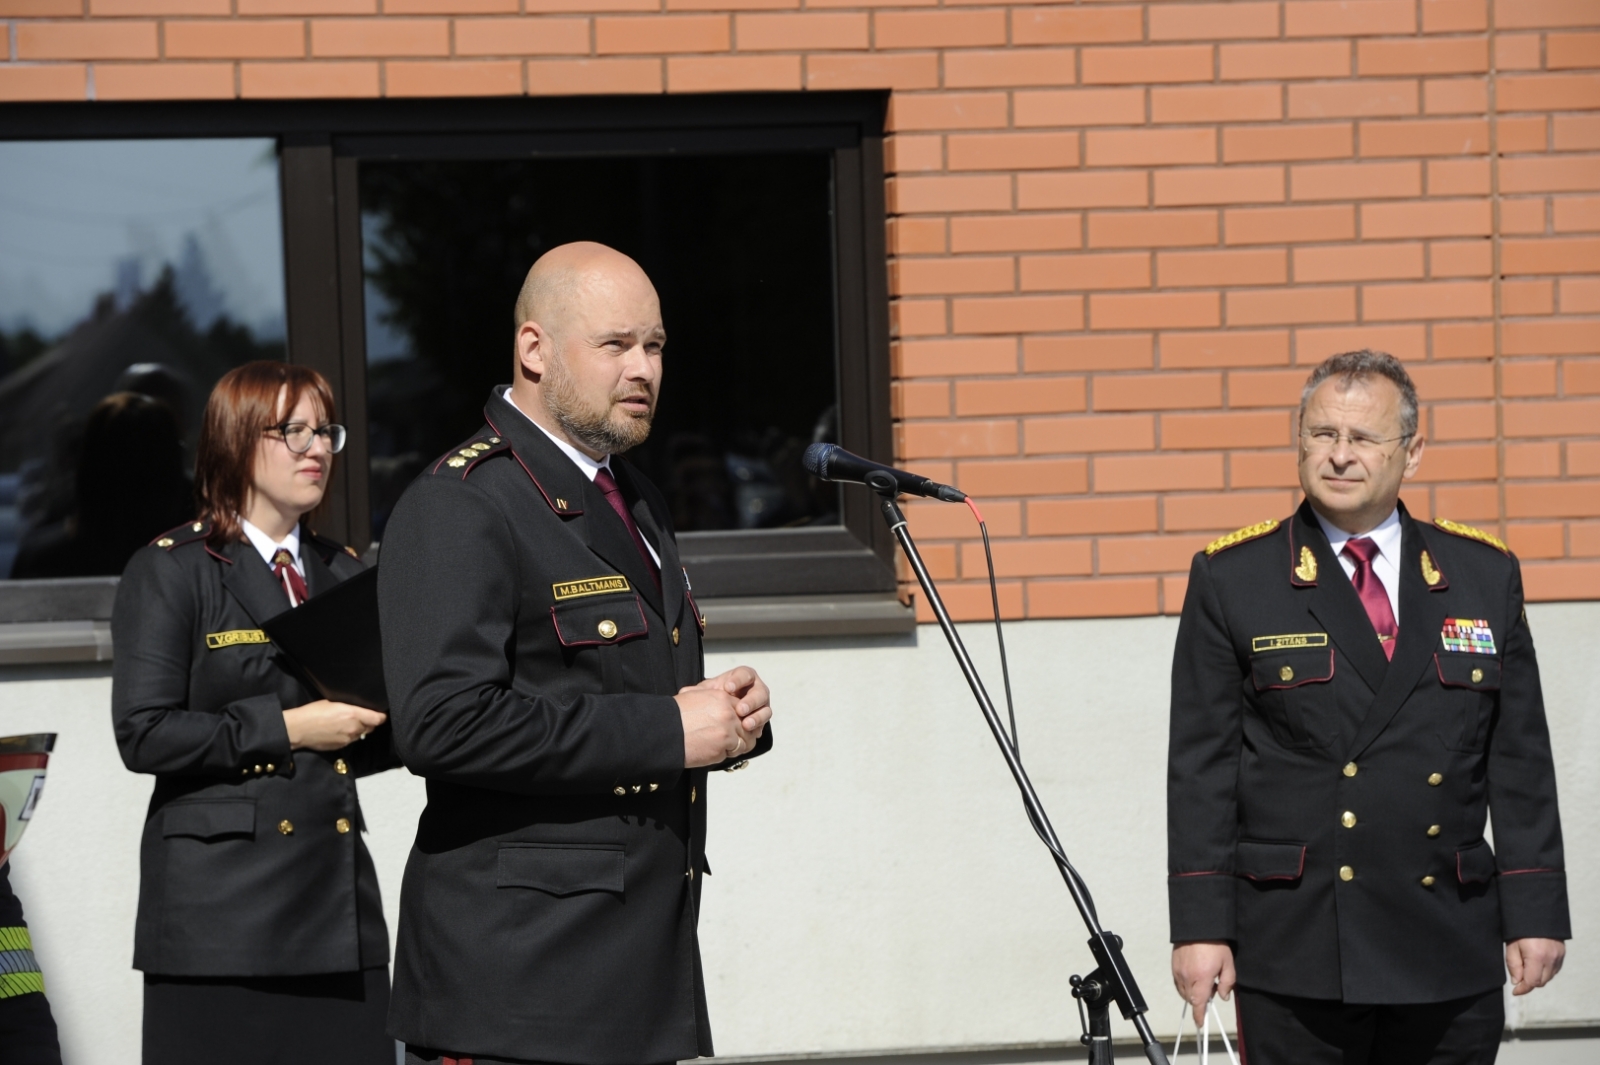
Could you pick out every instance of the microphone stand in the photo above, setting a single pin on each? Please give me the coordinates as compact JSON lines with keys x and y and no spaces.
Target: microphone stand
{"x":1111,"y":981}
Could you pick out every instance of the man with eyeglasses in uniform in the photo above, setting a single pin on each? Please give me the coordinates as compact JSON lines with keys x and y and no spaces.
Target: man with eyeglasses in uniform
{"x":1352,"y":690}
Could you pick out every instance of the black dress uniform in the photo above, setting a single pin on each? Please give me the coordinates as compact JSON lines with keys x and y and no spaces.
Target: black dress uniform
{"x":252,"y":868}
{"x":1326,"y":805}
{"x":27,"y":1028}
{"x":549,"y":904}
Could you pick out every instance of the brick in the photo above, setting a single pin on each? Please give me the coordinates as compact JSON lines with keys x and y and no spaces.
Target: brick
{"x":1454,"y":55}
{"x":1564,"y":499}
{"x":1355,"y":99}
{"x":909,"y":153}
{"x":543,"y":7}
{"x":1581,"y":377}
{"x":920,"y":399}
{"x":1575,"y":133}
{"x":1397,"y":221}
{"x":1458,"y":177}
{"x":1069,"y":107}
{"x":40,"y":9}
{"x":908,"y":71}
{"x":1012,"y":151}
{"x":1285,"y":60}
{"x":1461,"y":462}
{"x":1021,"y":232}
{"x":664,"y":34}
{"x":1148,"y":147}
{"x":1157,"y":391}
{"x":569,"y":77}
{"x":732,"y":73}
{"x":1079,"y":517}
{"x":1533,"y":460}
{"x":1579,"y":296}
{"x":1030,"y":558}
{"x":1455,"y":16}
{"x":451,"y":7}
{"x":1522,"y":216}
{"x":958,"y":439}
{"x":1217,"y":103}
{"x":1124,"y":188}
{"x":1453,"y":380}
{"x":125,"y":9}
{"x":1460,"y":258}
{"x":969,"y":601}
{"x":1032,"y":477}
{"x":1232,"y":429}
{"x":1018,"y":314}
{"x":255,"y":39}
{"x":1355,"y":181}
{"x":1575,"y":173}
{"x":914,"y":236}
{"x":163,"y":81}
{"x":910,"y":195}
{"x":1211,"y":22}
{"x":1525,"y":133}
{"x":1463,"y":340}
{"x":1152,"y":229}
{"x":1523,"y":378}
{"x":1230,"y":347}
{"x":1576,"y":214}
{"x":734,"y":5}
{"x":453,"y":77}
{"x":793,"y":33}
{"x":305,"y":7}
{"x":1442,"y":299}
{"x":1083,"y":272}
{"x":917,"y":277}
{"x":1348,"y":18}
{"x":917,"y":317}
{"x":1075,"y":25}
{"x":953,"y":358}
{"x":1099,"y":598}
{"x":944,"y":28}
{"x":1262,"y":469}
{"x":1165,"y":310}
{"x":1229,"y":510}
{"x":1267,"y":388}
{"x":1517,"y":51}
{"x":950,"y":110}
{"x":85,"y":40}
{"x":1544,"y":540}
{"x":1089,"y":434}
{"x":1584,"y":538}
{"x":1290,"y":225}
{"x":1455,"y":96}
{"x":1547,"y":92}
{"x":1054,"y":354}
{"x":1005,"y":67}
{"x":1156,"y":473}
{"x":1536,"y":337}
{"x":1147,"y":554}
{"x":307,"y":80}
{"x":1208,"y":269}
{"x":1572,"y":51}
{"x":1527,"y":297}
{"x":1473,"y":503}
{"x":1149,"y":64}
{"x":1583,"y":458}
{"x":1334,"y":140}
{"x":1564,"y":256}
{"x":1538,"y":14}
{"x":1358,"y":262}
{"x":1453,"y":136}
{"x":516,"y":36}
{"x":1291,"y":306}
{"x":356,"y":38}
{"x":1221,"y":185}
{"x":1027,"y":395}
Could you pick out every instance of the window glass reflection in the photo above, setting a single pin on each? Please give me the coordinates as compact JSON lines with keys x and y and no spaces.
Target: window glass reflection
{"x":133,"y":274}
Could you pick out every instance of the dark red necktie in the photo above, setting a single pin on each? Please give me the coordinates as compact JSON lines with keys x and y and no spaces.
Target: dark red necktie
{"x":608,"y":484}
{"x":1374,"y":597}
{"x":294,"y":585}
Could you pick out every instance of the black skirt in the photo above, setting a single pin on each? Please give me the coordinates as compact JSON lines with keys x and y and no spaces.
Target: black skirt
{"x":332,"y":1018}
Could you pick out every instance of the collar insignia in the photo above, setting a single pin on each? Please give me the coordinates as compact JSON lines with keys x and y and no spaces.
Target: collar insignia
{"x":1430,"y":572}
{"x":1249,"y":532}
{"x":1307,"y":569}
{"x":1455,"y":528}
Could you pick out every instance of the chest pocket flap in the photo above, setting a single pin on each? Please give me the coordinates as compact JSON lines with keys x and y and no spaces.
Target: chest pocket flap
{"x":1481,"y":672}
{"x":210,"y":820}
{"x":598,"y":621}
{"x":561,"y":869}
{"x":1291,"y":668}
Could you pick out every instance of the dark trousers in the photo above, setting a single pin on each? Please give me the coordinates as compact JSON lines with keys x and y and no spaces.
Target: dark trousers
{"x":1285,"y":1030}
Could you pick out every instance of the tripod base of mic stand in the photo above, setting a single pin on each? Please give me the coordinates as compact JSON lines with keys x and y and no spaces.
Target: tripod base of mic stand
{"x":1094,"y":1010}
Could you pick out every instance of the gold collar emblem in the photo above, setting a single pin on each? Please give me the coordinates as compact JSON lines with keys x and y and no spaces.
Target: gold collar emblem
{"x":1307,"y":569}
{"x":1429,"y":572}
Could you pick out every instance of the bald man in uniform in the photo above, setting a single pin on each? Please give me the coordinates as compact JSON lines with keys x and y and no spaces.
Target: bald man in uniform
{"x":545,"y":670}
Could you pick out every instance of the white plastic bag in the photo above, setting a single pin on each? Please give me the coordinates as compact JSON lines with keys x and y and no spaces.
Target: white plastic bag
{"x":1203,"y":1035}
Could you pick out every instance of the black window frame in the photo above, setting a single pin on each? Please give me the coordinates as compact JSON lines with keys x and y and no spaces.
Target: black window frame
{"x":321,"y":143}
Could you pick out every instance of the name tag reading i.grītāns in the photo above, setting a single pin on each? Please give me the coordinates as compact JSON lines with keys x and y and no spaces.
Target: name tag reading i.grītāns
{"x":1279,"y":643}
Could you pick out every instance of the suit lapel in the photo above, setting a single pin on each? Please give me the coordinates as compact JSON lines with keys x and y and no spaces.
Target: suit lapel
{"x":249,"y":580}
{"x":654,"y":527}
{"x":319,"y":578}
{"x":1421,"y":617}
{"x":1336,"y":606}
{"x":607,"y":536}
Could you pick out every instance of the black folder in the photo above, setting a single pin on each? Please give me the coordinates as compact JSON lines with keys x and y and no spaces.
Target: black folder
{"x":333,"y":641}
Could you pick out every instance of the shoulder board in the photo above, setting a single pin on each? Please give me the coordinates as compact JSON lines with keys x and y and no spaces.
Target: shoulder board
{"x":462,"y":459}
{"x":186,"y":533}
{"x":1239,"y":536}
{"x":1455,"y":528}
{"x":331,"y":547}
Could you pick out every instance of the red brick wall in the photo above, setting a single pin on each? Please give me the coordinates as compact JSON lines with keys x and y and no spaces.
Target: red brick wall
{"x":1121,"y":232}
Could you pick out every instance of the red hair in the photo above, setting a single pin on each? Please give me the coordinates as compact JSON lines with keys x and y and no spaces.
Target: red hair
{"x":243,"y":406}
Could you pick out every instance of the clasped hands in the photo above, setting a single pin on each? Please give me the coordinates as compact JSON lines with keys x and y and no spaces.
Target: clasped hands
{"x":723,"y":716}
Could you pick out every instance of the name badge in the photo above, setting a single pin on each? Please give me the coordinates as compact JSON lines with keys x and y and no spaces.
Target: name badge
{"x":216,"y":641}
{"x":1294,"y":639}
{"x":591,"y":586}
{"x":1471,"y":635}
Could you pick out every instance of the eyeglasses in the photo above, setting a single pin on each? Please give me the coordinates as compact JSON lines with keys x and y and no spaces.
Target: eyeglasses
{"x":298,"y":436}
{"x":1322,"y":440}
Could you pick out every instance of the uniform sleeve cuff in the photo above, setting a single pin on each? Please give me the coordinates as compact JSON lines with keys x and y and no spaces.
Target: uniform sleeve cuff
{"x":1200,"y":906}
{"x":1533,"y":905}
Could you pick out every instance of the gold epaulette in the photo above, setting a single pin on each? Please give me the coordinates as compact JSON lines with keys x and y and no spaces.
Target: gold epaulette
{"x":1455,"y":528}
{"x":469,"y":453}
{"x":186,"y":533}
{"x":1249,"y":532}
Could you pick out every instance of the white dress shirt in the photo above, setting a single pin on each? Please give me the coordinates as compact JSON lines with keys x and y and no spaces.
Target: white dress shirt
{"x":590,"y":467}
{"x":267,"y":549}
{"x":1386,"y":566}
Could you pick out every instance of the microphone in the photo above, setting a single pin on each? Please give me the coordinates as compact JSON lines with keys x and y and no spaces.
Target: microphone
{"x":833,"y":463}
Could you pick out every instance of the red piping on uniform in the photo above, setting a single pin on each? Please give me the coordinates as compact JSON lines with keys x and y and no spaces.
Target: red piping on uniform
{"x":1517,"y":872}
{"x":603,"y":643}
{"x":1309,"y":680}
{"x":1238,"y":1027}
{"x":1298,"y":873}
{"x":1180,"y":876}
{"x":213,"y":554}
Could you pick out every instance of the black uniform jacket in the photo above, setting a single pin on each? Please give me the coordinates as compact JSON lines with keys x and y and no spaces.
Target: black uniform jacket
{"x":244,"y":869}
{"x":1326,"y":806}
{"x":549,"y":904}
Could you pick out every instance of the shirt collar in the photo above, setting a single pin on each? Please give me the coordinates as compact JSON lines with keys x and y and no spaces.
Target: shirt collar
{"x":1386,"y":535}
{"x":266,"y":548}
{"x":590,"y":467}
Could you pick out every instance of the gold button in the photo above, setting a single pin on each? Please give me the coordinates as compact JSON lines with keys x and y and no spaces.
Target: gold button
{"x":1435,"y":779}
{"x":637,"y":788}
{"x":674,"y":635}
{"x":342,"y":825}
{"x":654,"y":787}
{"x":258,"y":769}
{"x":340,"y":767}
{"x":271,"y":768}
{"x":1349,"y":769}
{"x":693,"y":792}
{"x":245,"y":770}
{"x":1433,"y":831}
{"x":286,"y":827}
{"x":494,"y":440}
{"x":1348,"y":819}
{"x":197,"y":526}
{"x":1427,"y":881}
{"x":608,"y":629}
{"x":1477,"y":676}
{"x":165,"y":541}
{"x":1286,"y":673}
{"x":619,"y":790}
{"x":690,"y":873}
{"x":1346,"y":873}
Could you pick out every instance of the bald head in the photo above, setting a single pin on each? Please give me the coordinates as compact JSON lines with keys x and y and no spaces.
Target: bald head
{"x":564,"y":276}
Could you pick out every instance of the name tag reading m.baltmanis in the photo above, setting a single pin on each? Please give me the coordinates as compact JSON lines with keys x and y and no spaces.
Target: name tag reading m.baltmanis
{"x":591,"y":586}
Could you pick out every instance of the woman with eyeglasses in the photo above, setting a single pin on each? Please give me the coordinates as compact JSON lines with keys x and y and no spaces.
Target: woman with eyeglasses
{"x":260,"y":931}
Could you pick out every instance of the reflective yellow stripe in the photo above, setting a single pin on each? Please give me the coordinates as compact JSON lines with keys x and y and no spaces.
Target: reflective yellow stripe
{"x":15,"y":938}
{"x":14,"y":984}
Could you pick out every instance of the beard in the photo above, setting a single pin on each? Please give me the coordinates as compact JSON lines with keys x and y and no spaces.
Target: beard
{"x":604,"y":427}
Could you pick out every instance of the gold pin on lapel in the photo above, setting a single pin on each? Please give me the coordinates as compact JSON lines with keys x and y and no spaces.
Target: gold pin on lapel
{"x":1429,"y":572}
{"x":1307,"y":569}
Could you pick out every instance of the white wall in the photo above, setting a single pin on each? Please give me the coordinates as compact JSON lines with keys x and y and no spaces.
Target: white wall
{"x":876,"y":886}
